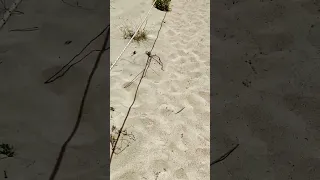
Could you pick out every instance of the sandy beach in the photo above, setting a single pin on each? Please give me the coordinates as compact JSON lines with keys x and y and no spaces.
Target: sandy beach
{"x":265,"y":95}
{"x":264,"y":98}
{"x":168,"y":128}
{"x":37,"y":118}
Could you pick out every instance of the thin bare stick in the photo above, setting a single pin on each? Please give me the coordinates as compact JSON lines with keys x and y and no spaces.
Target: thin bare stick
{"x":8,"y":13}
{"x":180,"y":110}
{"x":135,"y":78}
{"x":223,"y":157}
{"x":150,"y":57}
{"x":25,"y":29}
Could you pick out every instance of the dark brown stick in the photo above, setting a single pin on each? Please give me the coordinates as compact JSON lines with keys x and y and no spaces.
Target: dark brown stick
{"x":223,"y":157}
{"x":180,"y":110}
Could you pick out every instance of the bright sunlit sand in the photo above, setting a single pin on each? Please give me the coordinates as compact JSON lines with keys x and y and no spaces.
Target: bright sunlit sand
{"x":167,"y":133}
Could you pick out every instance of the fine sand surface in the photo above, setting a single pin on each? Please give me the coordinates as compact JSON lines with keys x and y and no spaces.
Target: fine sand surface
{"x":164,"y":144}
{"x":37,"y":118}
{"x":266,"y":89}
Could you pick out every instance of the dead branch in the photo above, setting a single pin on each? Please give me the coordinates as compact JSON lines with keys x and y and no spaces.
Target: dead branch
{"x":223,"y":157}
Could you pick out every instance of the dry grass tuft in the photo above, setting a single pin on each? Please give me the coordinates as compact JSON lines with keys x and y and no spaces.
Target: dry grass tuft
{"x":128,"y":33}
{"x":162,"y":5}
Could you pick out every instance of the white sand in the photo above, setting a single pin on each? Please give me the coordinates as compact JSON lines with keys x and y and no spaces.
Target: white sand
{"x":167,"y":145}
{"x":276,"y":119}
{"x":37,"y":118}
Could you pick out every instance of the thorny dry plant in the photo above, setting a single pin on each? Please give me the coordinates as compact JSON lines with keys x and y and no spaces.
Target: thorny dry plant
{"x":129,"y":31}
{"x":151,"y":57}
{"x":125,"y":140}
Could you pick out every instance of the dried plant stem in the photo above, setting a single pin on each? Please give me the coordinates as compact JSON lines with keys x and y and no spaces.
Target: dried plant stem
{"x":8,"y":12}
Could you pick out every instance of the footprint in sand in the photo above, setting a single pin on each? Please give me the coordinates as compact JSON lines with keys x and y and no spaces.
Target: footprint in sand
{"x":180,"y":174}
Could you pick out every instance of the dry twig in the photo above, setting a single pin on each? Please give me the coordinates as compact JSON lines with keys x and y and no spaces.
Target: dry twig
{"x":8,"y":11}
{"x":180,"y":110}
{"x":147,"y":65}
{"x":223,"y":157}
{"x":25,"y":29}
